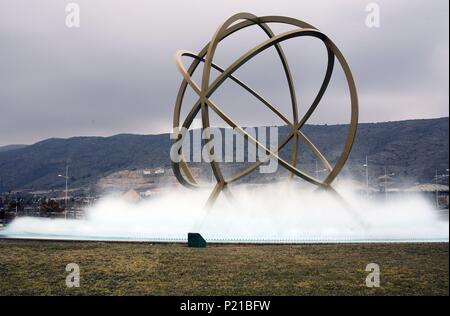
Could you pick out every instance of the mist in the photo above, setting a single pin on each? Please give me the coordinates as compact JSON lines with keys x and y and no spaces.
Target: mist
{"x":266,"y":214}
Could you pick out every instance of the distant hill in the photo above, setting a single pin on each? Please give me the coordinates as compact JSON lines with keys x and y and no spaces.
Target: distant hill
{"x":11,"y":147}
{"x":411,"y":149}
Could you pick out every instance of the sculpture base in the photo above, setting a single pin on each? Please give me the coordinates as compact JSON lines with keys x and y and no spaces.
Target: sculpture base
{"x":195,"y":240}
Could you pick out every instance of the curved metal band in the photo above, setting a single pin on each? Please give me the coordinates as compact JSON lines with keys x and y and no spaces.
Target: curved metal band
{"x":196,"y":108}
{"x":272,"y":41}
{"x":251,"y":21}
{"x":206,"y":90}
{"x":195,"y":87}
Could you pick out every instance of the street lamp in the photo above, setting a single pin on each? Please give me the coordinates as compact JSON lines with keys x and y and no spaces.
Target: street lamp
{"x":385,"y":181}
{"x":366,"y":165}
{"x":66,"y":177}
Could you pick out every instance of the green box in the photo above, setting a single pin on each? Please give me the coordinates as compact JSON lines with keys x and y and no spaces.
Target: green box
{"x":196,"y":240}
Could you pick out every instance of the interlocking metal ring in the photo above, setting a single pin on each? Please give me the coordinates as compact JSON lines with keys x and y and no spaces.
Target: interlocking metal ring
{"x":206,"y":89}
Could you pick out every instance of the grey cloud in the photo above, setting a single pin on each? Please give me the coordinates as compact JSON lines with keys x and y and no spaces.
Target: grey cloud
{"x":116,"y":73}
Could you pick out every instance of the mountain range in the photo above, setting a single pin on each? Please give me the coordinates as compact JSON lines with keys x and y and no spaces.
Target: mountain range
{"x":411,"y":149}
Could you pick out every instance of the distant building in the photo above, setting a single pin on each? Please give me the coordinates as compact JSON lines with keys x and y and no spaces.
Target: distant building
{"x":151,"y":192}
{"x":153,"y":172}
{"x":437,"y":192}
{"x":384,"y":182}
{"x":429,"y":188}
{"x":132,"y":196}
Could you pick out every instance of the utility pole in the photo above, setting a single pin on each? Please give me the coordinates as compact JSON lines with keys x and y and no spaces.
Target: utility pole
{"x":385,"y":184}
{"x":366,"y":165}
{"x":66,"y":177}
{"x":437,"y":192}
{"x":386,"y":180}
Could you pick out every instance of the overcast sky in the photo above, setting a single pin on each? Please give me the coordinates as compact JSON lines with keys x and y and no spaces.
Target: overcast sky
{"x":116,"y":73}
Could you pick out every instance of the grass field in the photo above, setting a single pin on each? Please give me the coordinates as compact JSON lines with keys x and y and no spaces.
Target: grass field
{"x":38,"y":268}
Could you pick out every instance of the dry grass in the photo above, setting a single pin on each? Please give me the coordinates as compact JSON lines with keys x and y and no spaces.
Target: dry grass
{"x":38,"y":268}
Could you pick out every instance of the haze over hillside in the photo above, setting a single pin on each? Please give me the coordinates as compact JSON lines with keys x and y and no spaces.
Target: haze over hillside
{"x":411,"y":149}
{"x":11,"y":147}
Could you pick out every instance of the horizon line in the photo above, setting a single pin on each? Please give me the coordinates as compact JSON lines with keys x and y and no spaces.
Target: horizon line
{"x":163,"y":133}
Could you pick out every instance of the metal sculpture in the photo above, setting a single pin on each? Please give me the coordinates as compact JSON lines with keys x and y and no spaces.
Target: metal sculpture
{"x":206,"y":89}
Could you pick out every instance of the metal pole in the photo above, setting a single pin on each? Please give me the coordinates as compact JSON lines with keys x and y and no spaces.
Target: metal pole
{"x":366,"y":166}
{"x":437,"y":192}
{"x":385,"y":184}
{"x":67,"y":178}
{"x":367,"y":177}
